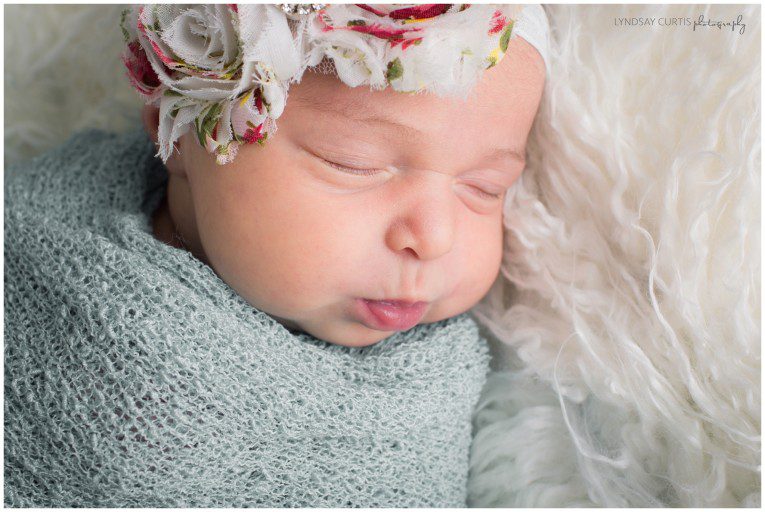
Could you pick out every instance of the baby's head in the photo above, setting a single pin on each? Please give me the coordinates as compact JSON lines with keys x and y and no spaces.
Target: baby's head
{"x":362,"y":195}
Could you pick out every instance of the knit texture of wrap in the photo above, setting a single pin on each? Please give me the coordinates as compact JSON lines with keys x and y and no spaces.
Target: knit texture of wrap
{"x":135,"y":377}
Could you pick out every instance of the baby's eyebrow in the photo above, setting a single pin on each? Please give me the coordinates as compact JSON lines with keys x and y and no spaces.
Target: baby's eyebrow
{"x":359,"y":111}
{"x":512,"y":153}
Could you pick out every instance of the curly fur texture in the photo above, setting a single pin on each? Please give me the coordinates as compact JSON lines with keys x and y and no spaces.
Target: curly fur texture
{"x":626,"y":325}
{"x":631,"y":280}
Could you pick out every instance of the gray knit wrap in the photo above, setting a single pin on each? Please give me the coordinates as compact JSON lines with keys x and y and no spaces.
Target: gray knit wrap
{"x":135,"y":377}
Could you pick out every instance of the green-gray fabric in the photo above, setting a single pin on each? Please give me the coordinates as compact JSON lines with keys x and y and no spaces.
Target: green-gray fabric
{"x":135,"y":377}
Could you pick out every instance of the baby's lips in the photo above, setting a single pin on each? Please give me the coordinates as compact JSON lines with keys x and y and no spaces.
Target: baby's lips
{"x":392,"y":315}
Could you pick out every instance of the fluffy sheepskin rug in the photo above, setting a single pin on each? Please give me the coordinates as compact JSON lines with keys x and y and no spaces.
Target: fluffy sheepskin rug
{"x":627,"y":319}
{"x":625,"y":326}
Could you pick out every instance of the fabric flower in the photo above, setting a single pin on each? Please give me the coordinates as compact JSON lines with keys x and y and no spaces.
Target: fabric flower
{"x":196,"y":54}
{"x":199,"y":40}
{"x":440,"y":48}
{"x":225,"y":70}
{"x":140,"y":73}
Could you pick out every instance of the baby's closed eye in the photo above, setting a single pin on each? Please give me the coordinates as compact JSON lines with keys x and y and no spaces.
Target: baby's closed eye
{"x":483,"y":190}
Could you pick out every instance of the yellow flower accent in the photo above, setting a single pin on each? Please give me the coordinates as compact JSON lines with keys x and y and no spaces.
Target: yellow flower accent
{"x":228,"y":75}
{"x":494,"y":56}
{"x":245,"y":98}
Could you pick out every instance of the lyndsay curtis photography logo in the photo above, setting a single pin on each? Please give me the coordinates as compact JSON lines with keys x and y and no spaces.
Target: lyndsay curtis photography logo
{"x":699,"y":23}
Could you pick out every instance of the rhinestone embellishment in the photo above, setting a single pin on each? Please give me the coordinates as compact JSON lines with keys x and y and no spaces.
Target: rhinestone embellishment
{"x":293,"y":10}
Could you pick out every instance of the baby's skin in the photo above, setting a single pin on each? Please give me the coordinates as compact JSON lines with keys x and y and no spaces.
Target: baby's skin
{"x":360,"y":194}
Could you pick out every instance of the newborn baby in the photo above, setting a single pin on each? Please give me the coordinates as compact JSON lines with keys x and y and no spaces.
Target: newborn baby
{"x":263,"y":318}
{"x":370,"y":212}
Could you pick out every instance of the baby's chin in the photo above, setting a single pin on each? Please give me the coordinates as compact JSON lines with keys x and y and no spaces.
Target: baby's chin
{"x":347,"y":333}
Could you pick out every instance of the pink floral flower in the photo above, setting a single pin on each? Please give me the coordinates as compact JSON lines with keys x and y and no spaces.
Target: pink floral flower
{"x":498,"y":22}
{"x":254,"y":134}
{"x":419,"y":12}
{"x":139,"y":70}
{"x":394,"y":36}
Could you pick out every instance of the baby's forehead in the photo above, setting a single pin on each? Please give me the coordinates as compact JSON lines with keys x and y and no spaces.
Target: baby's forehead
{"x":487,"y":119}
{"x":507,"y":93}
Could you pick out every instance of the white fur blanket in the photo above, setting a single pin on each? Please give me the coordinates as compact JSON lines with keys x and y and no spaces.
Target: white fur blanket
{"x":625,"y":325}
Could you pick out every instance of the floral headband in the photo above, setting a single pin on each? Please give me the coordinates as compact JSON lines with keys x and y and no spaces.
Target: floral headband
{"x":226,"y":69}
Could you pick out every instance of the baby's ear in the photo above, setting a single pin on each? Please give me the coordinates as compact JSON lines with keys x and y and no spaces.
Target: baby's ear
{"x":150,"y":117}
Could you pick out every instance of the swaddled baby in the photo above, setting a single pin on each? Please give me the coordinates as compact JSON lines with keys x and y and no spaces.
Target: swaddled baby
{"x":259,"y":318}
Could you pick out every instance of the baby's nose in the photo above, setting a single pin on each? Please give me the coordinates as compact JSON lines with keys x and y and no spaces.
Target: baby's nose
{"x":425,"y":221}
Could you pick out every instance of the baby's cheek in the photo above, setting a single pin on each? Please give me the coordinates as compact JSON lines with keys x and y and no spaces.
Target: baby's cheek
{"x":488,"y":250}
{"x":284,"y":252}
{"x":478,"y":259}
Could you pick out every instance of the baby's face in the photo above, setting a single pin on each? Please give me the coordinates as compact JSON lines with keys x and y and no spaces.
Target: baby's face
{"x":364,"y":195}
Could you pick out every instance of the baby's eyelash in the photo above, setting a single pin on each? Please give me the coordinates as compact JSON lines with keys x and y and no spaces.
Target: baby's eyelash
{"x":351,"y":170}
{"x":485,"y":194}
{"x":369,"y":172}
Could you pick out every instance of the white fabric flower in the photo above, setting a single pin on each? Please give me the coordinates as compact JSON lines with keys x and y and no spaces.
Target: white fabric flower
{"x":199,"y":40}
{"x":226,"y":69}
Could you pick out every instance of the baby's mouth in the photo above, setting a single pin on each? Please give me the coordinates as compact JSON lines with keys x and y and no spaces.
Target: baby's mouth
{"x":390,"y":315}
